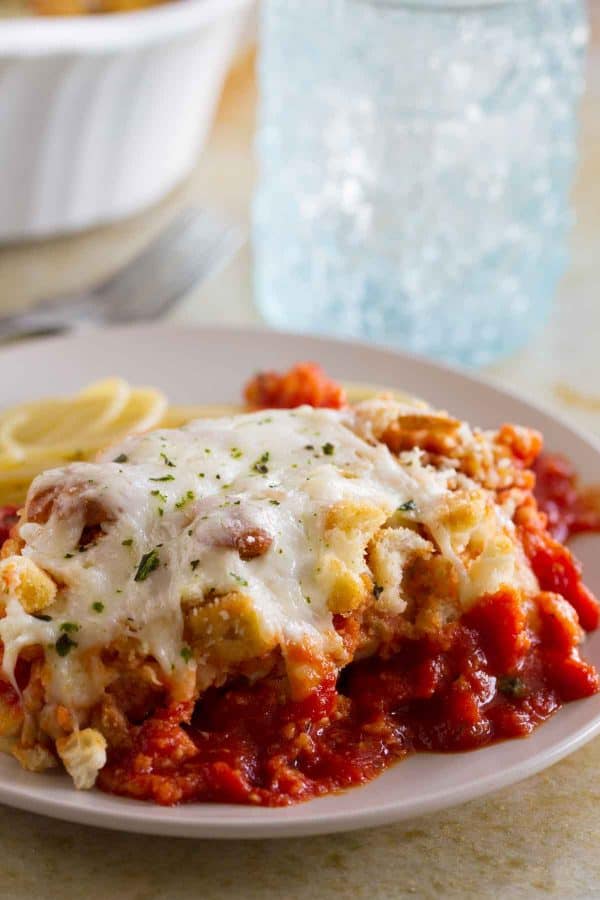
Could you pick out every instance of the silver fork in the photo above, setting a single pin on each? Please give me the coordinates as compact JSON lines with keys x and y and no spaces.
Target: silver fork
{"x":194,"y":246}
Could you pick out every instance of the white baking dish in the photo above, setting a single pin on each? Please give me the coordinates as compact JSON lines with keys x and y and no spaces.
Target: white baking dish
{"x":100,"y":116}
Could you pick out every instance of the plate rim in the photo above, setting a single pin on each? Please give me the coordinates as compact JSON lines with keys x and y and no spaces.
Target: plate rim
{"x":258,"y":328}
{"x":257,"y":823}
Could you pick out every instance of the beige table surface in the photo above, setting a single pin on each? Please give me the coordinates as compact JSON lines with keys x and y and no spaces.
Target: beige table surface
{"x":538,"y":839}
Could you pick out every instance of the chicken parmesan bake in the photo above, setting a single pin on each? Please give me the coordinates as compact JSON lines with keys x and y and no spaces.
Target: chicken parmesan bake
{"x":266,"y":607}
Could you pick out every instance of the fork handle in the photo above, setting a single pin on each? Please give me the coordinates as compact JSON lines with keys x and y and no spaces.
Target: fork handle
{"x":30,"y":325}
{"x":55,"y":317}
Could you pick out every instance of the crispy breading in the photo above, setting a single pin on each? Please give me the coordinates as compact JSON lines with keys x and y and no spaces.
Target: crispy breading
{"x":20,"y":577}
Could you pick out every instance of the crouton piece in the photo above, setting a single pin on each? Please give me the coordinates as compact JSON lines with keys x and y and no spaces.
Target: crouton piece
{"x":20,"y":577}
{"x":83,"y":754}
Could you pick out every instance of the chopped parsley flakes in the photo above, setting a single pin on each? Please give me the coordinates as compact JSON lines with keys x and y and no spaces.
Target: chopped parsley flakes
{"x":194,"y":564}
{"x":236,"y":453}
{"x":148,"y":563}
{"x":167,"y":461}
{"x":260,"y":465}
{"x":98,"y":607}
{"x":64,"y":645}
{"x":164,"y":478}
{"x":127,"y":542}
{"x":186,"y":654}
{"x":511,"y":686}
{"x":239,"y":579}
{"x":328,"y":449}
{"x":69,"y":627}
{"x":121,"y":458}
{"x":408,"y":506}
{"x":159,"y":494}
{"x":187,"y":498}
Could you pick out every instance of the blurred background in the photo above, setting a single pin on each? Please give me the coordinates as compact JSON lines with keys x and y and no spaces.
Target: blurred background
{"x":558,"y":362}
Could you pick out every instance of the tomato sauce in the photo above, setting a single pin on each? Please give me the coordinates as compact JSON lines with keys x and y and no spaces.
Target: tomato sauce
{"x":570,"y":509}
{"x":484,"y":679}
{"x":8,"y":518}
{"x":304,"y":383}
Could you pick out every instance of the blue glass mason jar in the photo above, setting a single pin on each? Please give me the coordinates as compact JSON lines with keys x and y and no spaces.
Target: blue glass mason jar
{"x":415,"y":162}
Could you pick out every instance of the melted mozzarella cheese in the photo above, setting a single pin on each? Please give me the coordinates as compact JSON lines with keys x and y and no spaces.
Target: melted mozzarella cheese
{"x":175,"y":500}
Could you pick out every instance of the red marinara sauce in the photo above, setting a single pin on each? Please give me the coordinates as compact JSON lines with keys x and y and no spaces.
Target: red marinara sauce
{"x":304,"y":383}
{"x":8,"y":518}
{"x":570,"y":508}
{"x":483,"y":679}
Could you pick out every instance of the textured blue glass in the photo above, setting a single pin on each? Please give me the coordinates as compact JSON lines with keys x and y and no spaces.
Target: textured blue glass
{"x":415,"y":164}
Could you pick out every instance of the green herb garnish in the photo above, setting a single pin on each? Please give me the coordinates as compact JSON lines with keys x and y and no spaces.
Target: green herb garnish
{"x":260,"y":465}
{"x":328,"y":449}
{"x":69,"y":627}
{"x":236,"y":453}
{"x":127,"y":542}
{"x":148,"y":563}
{"x":186,"y":654}
{"x":511,"y":686}
{"x":274,"y":502}
{"x":194,"y":564}
{"x":187,"y":498}
{"x":164,"y":478}
{"x":239,"y":579}
{"x":167,"y":461}
{"x":122,"y":457}
{"x":64,"y":645}
{"x":98,"y":607}
{"x":42,"y":617}
{"x":408,"y":506}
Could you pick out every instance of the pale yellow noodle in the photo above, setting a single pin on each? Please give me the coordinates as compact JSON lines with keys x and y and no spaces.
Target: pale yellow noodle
{"x":38,"y":436}
{"x":47,"y":427}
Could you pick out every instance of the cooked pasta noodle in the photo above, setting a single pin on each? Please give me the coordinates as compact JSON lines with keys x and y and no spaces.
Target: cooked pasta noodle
{"x":36,"y":436}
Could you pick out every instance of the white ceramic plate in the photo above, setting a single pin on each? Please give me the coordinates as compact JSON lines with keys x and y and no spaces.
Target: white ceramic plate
{"x":210,"y":365}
